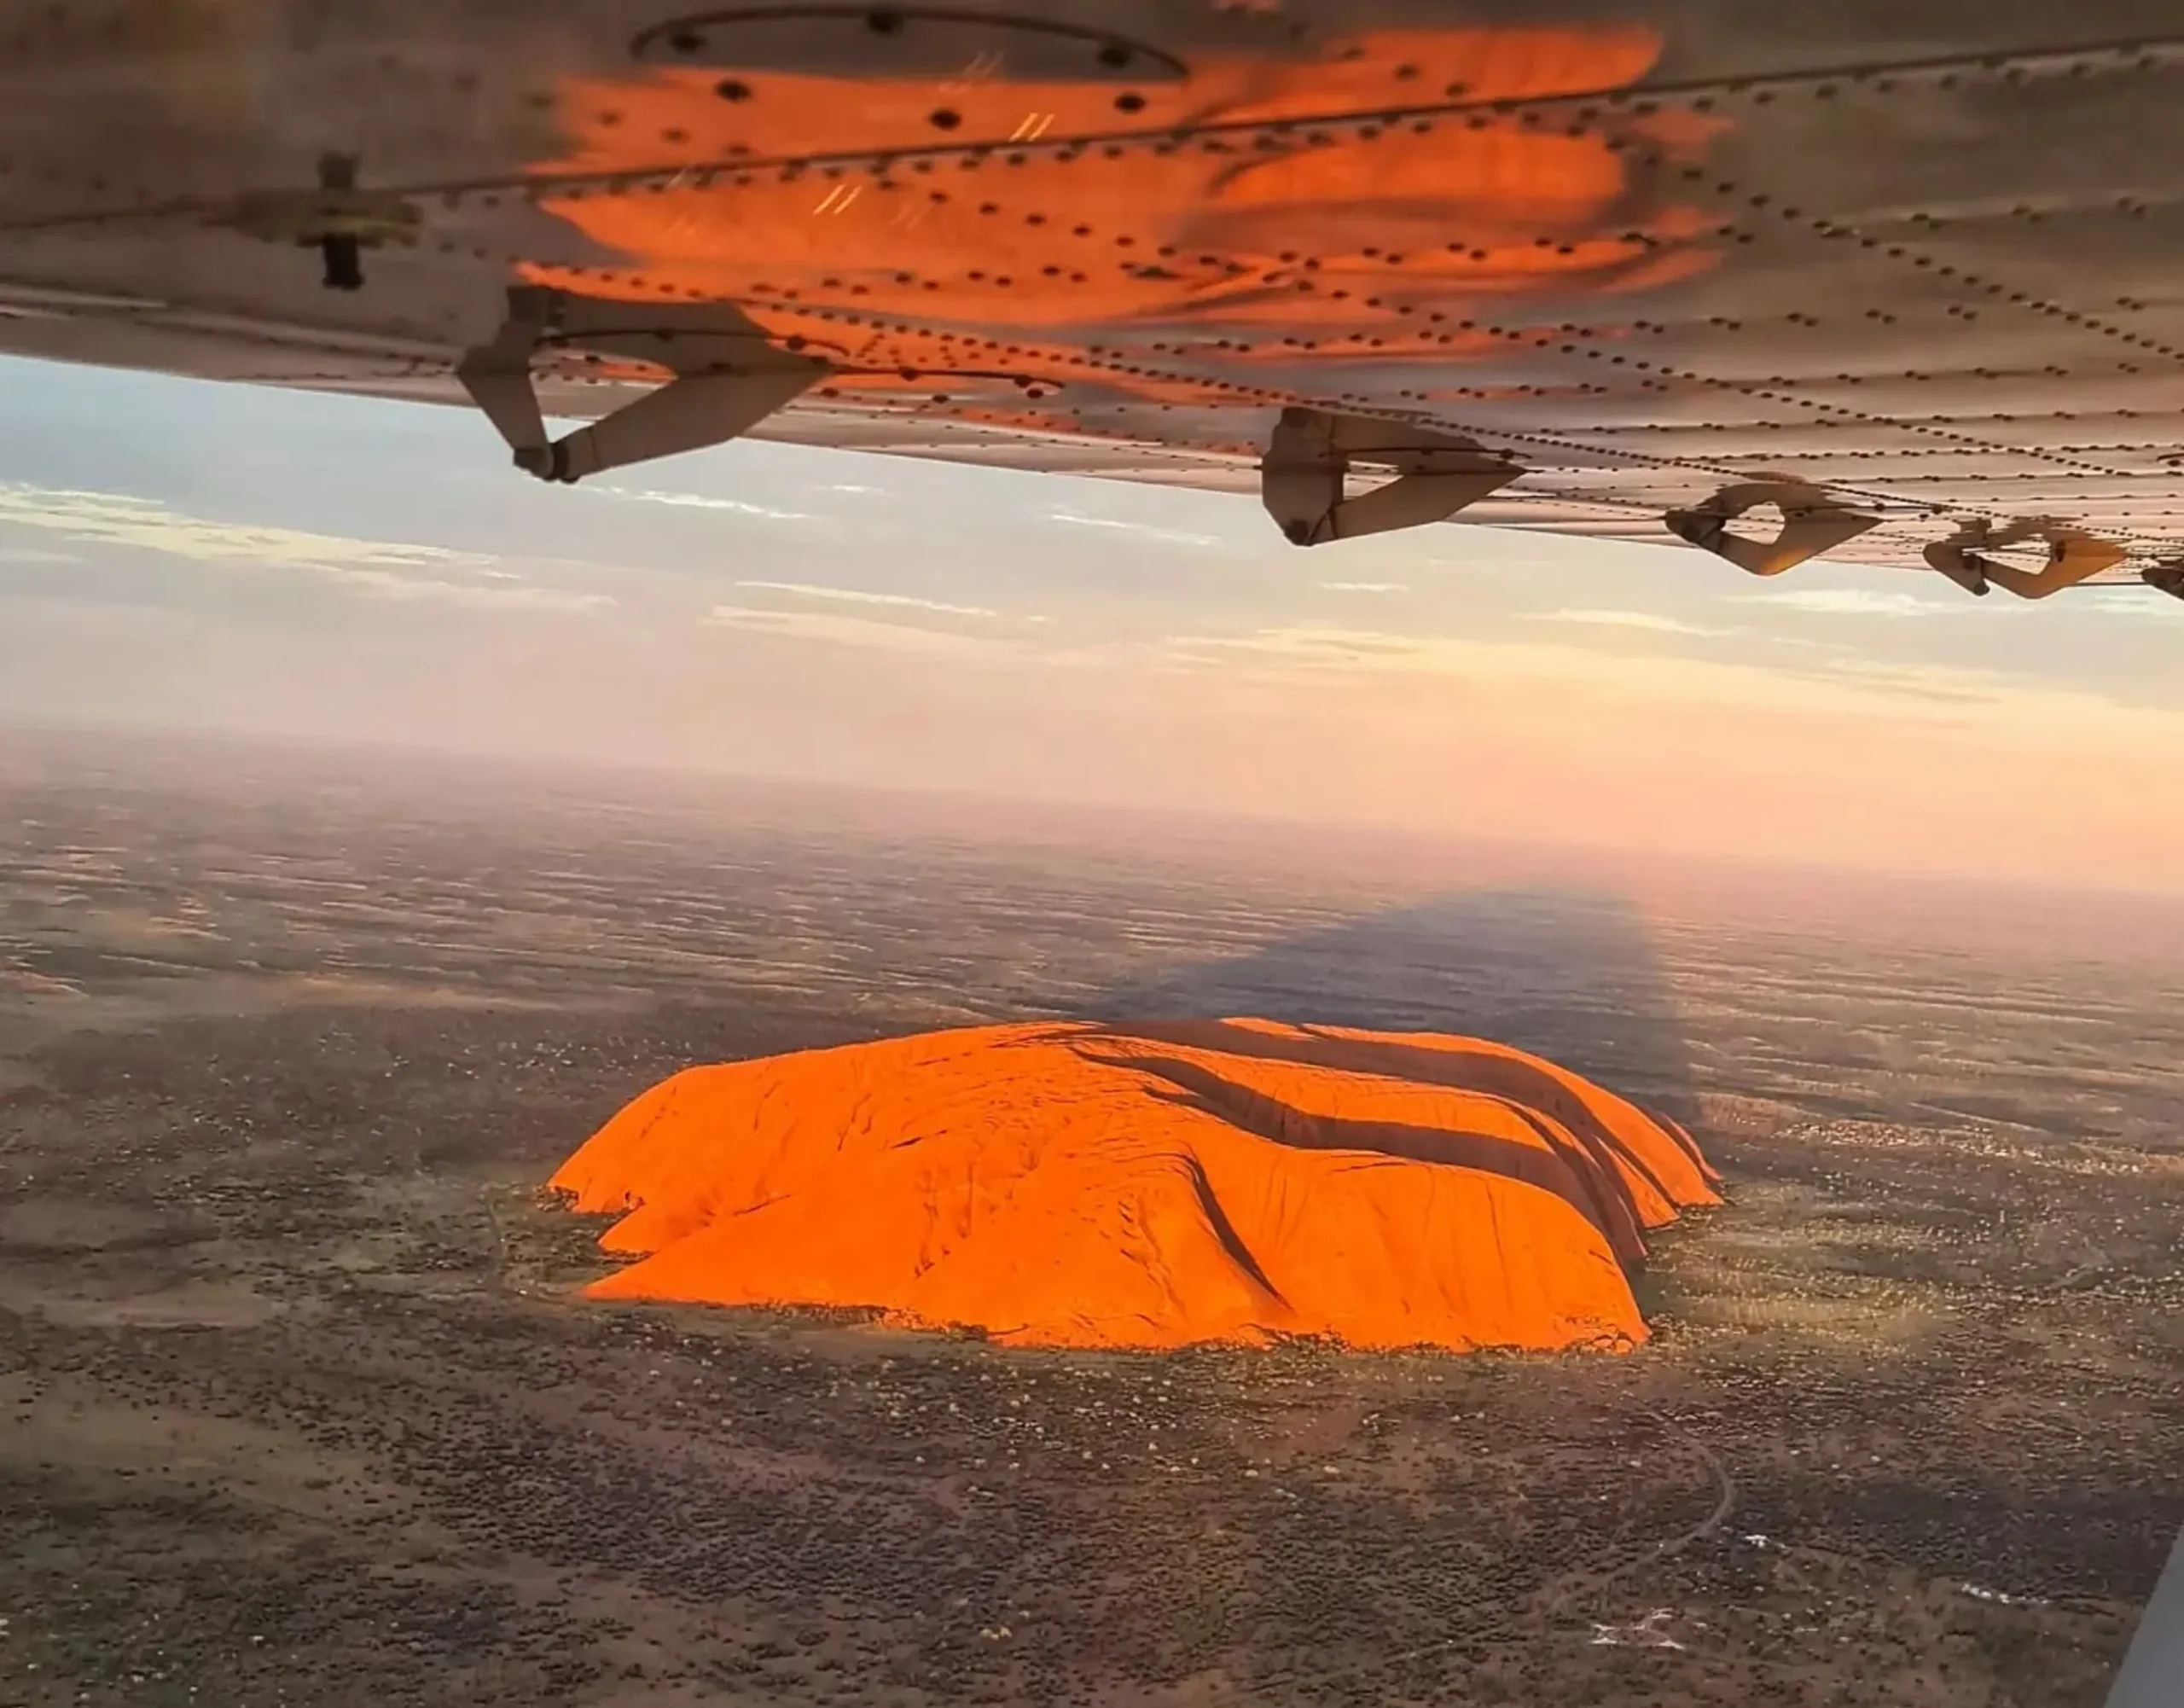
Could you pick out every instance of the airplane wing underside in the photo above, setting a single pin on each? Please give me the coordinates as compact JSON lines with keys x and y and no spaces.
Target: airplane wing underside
{"x":1892,"y":283}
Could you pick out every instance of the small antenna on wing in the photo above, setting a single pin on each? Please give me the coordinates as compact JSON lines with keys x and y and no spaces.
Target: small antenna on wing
{"x":344,"y":254}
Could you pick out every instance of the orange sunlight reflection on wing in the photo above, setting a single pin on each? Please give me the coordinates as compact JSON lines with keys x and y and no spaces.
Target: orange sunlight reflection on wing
{"x":1352,"y":239}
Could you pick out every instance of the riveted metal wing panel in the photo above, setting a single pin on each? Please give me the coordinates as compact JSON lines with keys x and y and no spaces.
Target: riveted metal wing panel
{"x":1921,"y":258}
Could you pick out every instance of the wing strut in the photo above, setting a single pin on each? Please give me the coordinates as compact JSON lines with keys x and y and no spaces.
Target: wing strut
{"x":1812,"y":523}
{"x":2073,"y":555}
{"x":726,"y":377}
{"x":1303,"y":477}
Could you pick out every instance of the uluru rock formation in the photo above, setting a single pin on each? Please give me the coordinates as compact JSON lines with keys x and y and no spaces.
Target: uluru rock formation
{"x":1150,"y":1185}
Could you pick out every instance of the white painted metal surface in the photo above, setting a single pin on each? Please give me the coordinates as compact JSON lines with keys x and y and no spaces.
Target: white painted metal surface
{"x":1920,"y":260}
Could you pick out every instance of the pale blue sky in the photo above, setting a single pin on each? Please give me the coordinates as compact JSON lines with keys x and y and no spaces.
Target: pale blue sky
{"x":188,"y":556}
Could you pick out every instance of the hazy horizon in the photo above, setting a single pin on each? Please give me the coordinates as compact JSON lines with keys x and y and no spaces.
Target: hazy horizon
{"x":178,"y":557}
{"x":1380,"y":868}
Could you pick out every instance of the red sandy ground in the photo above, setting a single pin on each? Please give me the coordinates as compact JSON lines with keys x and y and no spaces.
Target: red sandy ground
{"x":1156,"y":1185}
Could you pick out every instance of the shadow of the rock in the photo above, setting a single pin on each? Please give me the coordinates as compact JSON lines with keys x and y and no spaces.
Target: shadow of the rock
{"x":1569,"y":974}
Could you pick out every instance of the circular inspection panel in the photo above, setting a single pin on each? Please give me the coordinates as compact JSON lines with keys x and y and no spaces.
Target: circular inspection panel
{"x":901,"y":41}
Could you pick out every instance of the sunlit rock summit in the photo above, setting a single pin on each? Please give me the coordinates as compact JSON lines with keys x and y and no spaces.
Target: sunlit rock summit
{"x":1150,"y":1185}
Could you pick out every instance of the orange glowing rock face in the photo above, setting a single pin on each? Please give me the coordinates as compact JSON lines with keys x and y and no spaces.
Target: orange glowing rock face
{"x":1150,"y":1185}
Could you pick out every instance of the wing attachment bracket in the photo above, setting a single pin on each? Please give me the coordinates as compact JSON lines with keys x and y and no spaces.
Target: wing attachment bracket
{"x":727,"y":376}
{"x":1812,"y":523}
{"x":2073,"y":555}
{"x":1303,"y":478}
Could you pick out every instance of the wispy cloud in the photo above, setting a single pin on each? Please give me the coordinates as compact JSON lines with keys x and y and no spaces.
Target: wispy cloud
{"x":112,"y":519}
{"x":1364,"y":587}
{"x":1650,"y":621}
{"x":2124,"y":601}
{"x":1855,"y":602}
{"x":857,"y":595}
{"x":1838,"y":685}
{"x":389,"y":569}
{"x":1143,"y":530}
{"x":699,"y":501}
{"x":1941,"y":683}
{"x":1303,"y":646}
{"x":838,"y":629}
{"x":501,"y":594}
